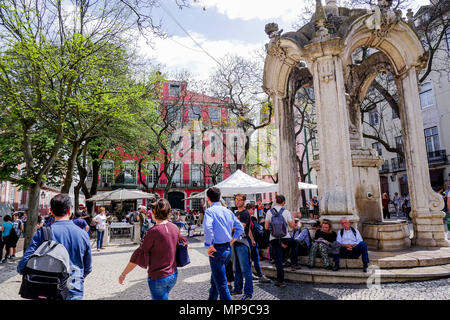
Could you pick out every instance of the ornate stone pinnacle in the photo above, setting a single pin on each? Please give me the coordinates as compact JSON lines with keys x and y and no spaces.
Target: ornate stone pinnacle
{"x":320,"y":18}
{"x":271,"y":28}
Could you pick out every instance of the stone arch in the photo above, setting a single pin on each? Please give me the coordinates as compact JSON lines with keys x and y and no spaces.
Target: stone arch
{"x":398,"y":41}
{"x":405,"y":53}
{"x":283,"y":76}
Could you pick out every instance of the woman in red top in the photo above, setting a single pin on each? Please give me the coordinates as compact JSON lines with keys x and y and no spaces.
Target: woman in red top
{"x":385,"y":202}
{"x":157,"y":253}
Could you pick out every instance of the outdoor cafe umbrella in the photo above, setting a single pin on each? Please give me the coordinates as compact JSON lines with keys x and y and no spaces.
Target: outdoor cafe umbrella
{"x":121,"y":195}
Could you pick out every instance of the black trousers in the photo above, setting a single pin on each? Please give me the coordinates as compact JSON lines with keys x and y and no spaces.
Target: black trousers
{"x":277,"y":252}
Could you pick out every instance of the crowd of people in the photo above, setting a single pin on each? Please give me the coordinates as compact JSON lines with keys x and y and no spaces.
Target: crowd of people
{"x":398,"y":205}
{"x":233,"y":241}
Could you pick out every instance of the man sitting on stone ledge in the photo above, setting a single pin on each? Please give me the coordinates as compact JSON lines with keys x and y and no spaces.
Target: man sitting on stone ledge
{"x":352,"y":245}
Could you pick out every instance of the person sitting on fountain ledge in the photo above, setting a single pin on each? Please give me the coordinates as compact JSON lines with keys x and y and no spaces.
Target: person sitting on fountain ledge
{"x":352,"y":245}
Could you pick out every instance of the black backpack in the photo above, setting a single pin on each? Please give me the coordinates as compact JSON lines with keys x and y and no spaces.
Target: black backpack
{"x":258,"y":231}
{"x":47,"y":271}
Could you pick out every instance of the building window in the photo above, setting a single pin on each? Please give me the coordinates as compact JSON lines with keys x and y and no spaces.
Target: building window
{"x":176,"y":178}
{"x":377,"y":146}
{"x":173,"y":113}
{"x":196,"y":204}
{"x":107,"y":173}
{"x":432,"y":139}
{"x":373,"y":117}
{"x":153,"y":171}
{"x":399,"y":143}
{"x":129,"y":167}
{"x":174,"y":90}
{"x":214,"y":114}
{"x":196,"y":173}
{"x":195,"y":113}
{"x":426,"y":95}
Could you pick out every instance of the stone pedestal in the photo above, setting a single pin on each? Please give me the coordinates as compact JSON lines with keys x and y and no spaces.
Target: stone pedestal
{"x":386,"y":236}
{"x":429,"y":230}
{"x":366,"y":177}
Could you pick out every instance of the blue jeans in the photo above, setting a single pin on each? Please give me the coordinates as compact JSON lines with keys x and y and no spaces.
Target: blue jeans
{"x":255,"y":259}
{"x":218,"y":264}
{"x":160,"y":288}
{"x":243,"y":270}
{"x":100,"y":235}
{"x":359,"y":250}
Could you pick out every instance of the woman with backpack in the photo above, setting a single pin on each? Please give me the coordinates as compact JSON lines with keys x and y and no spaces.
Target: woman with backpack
{"x":157,"y":253}
{"x":323,"y":240}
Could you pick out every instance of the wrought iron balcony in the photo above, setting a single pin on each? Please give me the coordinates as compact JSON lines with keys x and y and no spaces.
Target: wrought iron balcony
{"x":385,"y":167}
{"x":398,"y":164}
{"x":437,"y":157}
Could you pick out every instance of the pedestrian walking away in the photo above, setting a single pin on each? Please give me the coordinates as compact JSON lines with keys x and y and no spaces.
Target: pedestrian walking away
{"x":76,"y":242}
{"x":80,"y":222}
{"x":277,"y":221}
{"x":157,"y":253}
{"x":18,"y":229}
{"x":218,"y":224}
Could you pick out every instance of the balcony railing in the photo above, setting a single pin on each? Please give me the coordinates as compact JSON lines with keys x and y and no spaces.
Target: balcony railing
{"x":438,"y":156}
{"x":385,"y":167}
{"x":185,"y":184}
{"x":398,"y":164}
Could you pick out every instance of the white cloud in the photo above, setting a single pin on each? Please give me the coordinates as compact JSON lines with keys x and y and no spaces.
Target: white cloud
{"x":181,"y":52}
{"x":285,"y":10}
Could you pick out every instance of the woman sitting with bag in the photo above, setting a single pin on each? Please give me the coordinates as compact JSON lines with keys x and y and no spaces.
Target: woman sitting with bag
{"x":323,"y":240}
{"x":157,"y":253}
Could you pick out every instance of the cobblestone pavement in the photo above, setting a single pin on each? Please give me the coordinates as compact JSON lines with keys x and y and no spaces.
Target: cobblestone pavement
{"x":193,"y":282}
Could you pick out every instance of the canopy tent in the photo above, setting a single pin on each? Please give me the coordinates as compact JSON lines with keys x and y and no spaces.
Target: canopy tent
{"x":240,"y":182}
{"x":121,"y":195}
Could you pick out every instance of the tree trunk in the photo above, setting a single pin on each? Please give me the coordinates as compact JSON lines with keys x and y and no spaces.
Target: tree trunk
{"x":33,"y":213}
{"x":70,"y":168}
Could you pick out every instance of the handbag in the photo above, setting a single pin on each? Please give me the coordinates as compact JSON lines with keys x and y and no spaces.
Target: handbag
{"x":182,"y":255}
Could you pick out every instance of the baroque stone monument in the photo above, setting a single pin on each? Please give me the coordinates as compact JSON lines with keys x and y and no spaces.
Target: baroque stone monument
{"x":319,"y":55}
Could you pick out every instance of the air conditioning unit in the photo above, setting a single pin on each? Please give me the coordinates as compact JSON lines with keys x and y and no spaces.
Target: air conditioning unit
{"x":194,"y":183}
{"x":174,"y":184}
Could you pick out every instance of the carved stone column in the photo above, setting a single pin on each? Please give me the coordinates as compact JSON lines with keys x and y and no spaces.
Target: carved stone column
{"x":286,"y":157}
{"x":336,"y":189}
{"x":426,"y":205}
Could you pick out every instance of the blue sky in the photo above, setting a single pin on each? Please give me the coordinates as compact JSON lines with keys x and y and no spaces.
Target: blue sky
{"x":224,"y":27}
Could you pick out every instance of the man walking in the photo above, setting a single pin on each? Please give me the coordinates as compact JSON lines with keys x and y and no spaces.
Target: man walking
{"x":218,"y":224}
{"x":277,"y":220}
{"x":74,"y":239}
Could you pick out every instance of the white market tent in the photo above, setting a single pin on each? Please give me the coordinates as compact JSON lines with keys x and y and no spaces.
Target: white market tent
{"x":240,"y":182}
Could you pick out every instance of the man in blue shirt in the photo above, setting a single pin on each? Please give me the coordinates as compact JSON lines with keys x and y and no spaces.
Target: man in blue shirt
{"x":218,"y":225}
{"x":74,"y":239}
